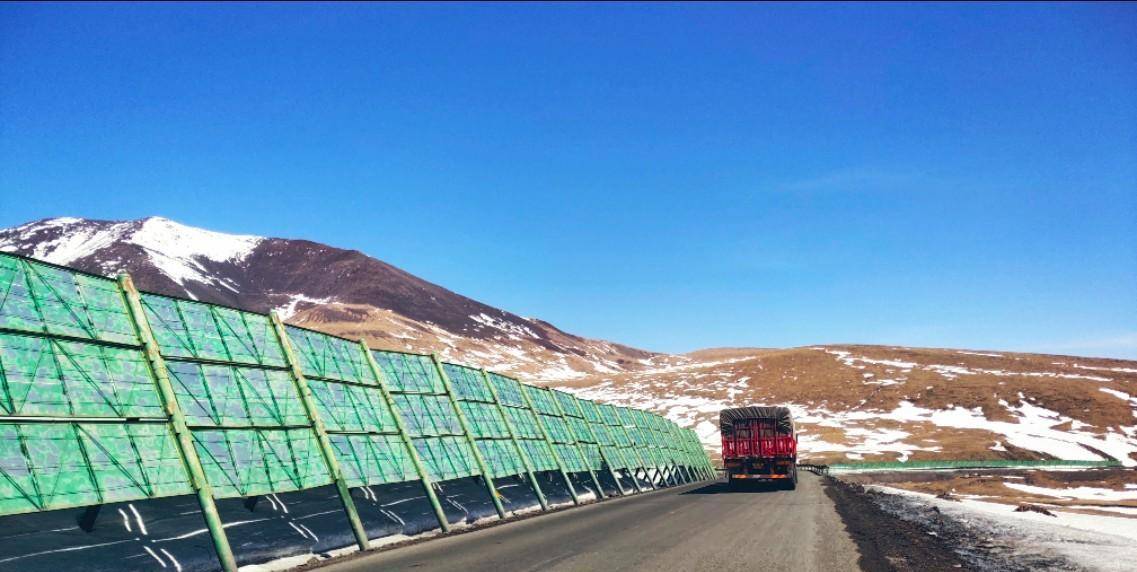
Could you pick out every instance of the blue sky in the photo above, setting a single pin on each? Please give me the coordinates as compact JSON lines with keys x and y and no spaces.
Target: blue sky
{"x":671,"y":177}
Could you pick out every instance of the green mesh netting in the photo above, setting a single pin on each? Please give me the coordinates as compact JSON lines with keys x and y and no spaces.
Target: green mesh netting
{"x":446,"y":458}
{"x":41,"y":298}
{"x":50,"y":466}
{"x":352,"y":408}
{"x":569,"y":404}
{"x":236,"y":396}
{"x":246,"y":462}
{"x":484,"y":420}
{"x":501,"y":457}
{"x":52,"y":377}
{"x":468,"y":383}
{"x":524,"y":423}
{"x":508,"y":390}
{"x":557,"y":429}
{"x":409,"y":373}
{"x":373,"y":459}
{"x":542,"y":400}
{"x":203,"y":331}
{"x":327,"y":357}
{"x":580,"y":430}
{"x":539,"y":453}
{"x":570,"y":456}
{"x":428,"y":415}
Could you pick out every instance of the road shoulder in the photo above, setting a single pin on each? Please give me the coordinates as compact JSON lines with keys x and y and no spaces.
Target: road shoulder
{"x":887,"y":542}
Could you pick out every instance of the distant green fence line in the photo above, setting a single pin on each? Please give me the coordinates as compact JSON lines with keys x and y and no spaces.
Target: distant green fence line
{"x":980,"y":464}
{"x":108,"y":395}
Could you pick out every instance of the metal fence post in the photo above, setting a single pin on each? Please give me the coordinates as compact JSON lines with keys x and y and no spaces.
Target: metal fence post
{"x":427,"y":483}
{"x":182,"y":434}
{"x":486,"y":475}
{"x":635,"y":480}
{"x":516,"y":446}
{"x":317,"y":422}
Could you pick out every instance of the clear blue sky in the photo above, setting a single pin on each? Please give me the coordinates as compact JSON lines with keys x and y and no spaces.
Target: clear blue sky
{"x":672,"y":177}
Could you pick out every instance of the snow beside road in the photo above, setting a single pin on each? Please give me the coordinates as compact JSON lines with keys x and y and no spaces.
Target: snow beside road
{"x":1105,"y":543}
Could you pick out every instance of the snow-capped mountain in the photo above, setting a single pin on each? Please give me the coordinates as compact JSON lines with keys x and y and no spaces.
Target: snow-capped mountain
{"x":337,"y":290}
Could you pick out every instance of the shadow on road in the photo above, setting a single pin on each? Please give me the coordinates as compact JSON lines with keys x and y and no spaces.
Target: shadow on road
{"x":721,"y":488}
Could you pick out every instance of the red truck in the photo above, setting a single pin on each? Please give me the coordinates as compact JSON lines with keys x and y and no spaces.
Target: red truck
{"x":759,"y":445}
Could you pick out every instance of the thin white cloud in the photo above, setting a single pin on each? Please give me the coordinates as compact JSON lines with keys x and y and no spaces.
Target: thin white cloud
{"x":854,"y":179}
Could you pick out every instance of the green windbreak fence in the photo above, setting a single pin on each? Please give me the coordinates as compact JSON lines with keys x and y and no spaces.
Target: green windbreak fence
{"x":82,"y":421}
{"x":619,"y":435}
{"x":430,"y":417}
{"x":486,"y":421}
{"x":360,"y":424}
{"x":520,"y":417}
{"x":111,"y":395}
{"x":240,"y":401}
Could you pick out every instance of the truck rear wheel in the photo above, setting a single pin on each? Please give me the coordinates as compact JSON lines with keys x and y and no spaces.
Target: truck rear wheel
{"x":791,"y":483}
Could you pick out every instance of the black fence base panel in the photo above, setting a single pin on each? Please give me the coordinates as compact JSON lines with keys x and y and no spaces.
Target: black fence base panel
{"x":170,"y":534}
{"x":400,"y":508}
{"x":611,"y":488}
{"x":154,"y":534}
{"x":553,"y":485}
{"x":273,"y":526}
{"x":583,"y":485}
{"x":516,"y":493}
{"x":644,"y":483}
{"x":465,"y":500}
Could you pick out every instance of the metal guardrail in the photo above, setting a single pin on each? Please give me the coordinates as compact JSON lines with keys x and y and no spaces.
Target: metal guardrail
{"x":967,"y":464}
{"x":821,"y":470}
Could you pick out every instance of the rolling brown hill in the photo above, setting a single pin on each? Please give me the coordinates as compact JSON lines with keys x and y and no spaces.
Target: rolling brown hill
{"x":878,"y":403}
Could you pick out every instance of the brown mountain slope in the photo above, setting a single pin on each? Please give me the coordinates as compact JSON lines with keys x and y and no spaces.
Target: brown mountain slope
{"x":314,"y":284}
{"x":505,"y":349}
{"x":889,"y":403}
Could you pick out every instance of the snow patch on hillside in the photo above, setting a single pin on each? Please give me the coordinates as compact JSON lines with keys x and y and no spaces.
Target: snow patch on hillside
{"x":1034,"y":430}
{"x":71,"y":245}
{"x":851,"y":360}
{"x":514,"y":331}
{"x":1113,"y":369}
{"x":954,"y":371}
{"x":863,"y":441}
{"x":176,"y":249}
{"x":1120,"y":395}
{"x":288,"y":310}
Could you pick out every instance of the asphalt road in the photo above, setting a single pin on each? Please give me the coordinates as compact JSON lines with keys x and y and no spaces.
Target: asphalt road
{"x":696,"y":527}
